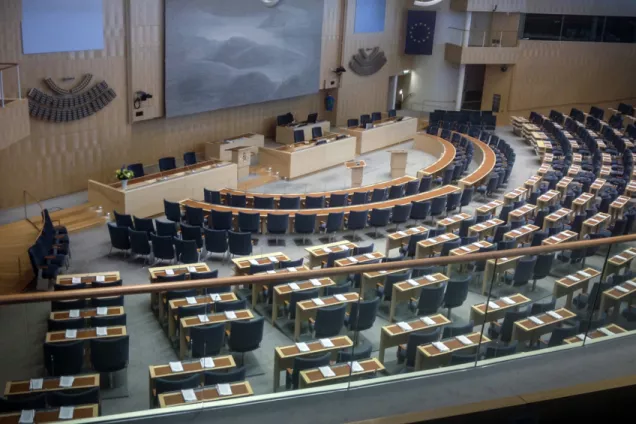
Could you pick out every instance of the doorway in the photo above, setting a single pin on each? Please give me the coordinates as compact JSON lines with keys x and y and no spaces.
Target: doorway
{"x":473,"y":87}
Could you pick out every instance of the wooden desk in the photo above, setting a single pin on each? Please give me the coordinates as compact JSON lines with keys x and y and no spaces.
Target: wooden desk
{"x":52,"y":415}
{"x":295,"y":160}
{"x":175,"y":304}
{"x":465,"y":250}
{"x":562,"y":237}
{"x":556,"y":217}
{"x":544,"y":169}
{"x":357,"y":171}
{"x":393,"y":335}
{"x":307,"y":308}
{"x":189,"y":367}
{"x":87,"y":278}
{"x":402,"y":238}
{"x":256,"y":287}
{"x":370,"y":280}
{"x":496,"y":309}
{"x":86,"y":313}
{"x":430,"y":246}
{"x":595,"y":224}
{"x":242,"y":265}
{"x":428,"y":356}
{"x":567,"y":285}
{"x":404,"y":291}
{"x":522,"y":234}
{"x":284,"y":355}
{"x":526,"y":210}
{"x":485,"y":229}
{"x":597,"y":185}
{"x":357,"y":260}
{"x":220,"y":149}
{"x":606,"y":171}
{"x":453,"y":223}
{"x":158,"y":300}
{"x":595,"y":334}
{"x":51,"y":384}
{"x":525,"y":329}
{"x":612,"y":298}
{"x":282,"y":292}
{"x":515,"y":195}
{"x":383,"y":134}
{"x":145,"y":195}
{"x":319,"y":254}
{"x":577,"y":158}
{"x":485,"y":157}
{"x":489,"y":208}
{"x":517,"y":124}
{"x":285,"y":133}
{"x":548,"y":199}
{"x":564,"y":184}
{"x":313,"y":377}
{"x":206,"y":394}
{"x":495,"y":267}
{"x":617,"y":207}
{"x":437,"y":147}
{"x":85,"y":334}
{"x":581,"y":203}
{"x":574,"y":170}
{"x":533,"y":183}
{"x":630,"y":189}
{"x":189,"y":322}
{"x":618,"y":262}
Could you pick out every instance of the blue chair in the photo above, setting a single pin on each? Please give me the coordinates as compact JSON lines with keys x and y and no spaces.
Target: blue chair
{"x":430,"y":300}
{"x":299,"y":136}
{"x":289,"y":202}
{"x":352,"y":122}
{"x":447,"y":246}
{"x":503,"y":331}
{"x":452,"y":202}
{"x":542,"y":268}
{"x":400,"y":214}
{"x":396,"y":191}
{"x":167,"y":163}
{"x":249,"y":222}
{"x":359,"y":197}
{"x":362,"y":316}
{"x":413,"y":342}
{"x":425,"y":183}
{"x":456,"y":329}
{"x":304,"y":363}
{"x":211,"y":378}
{"x":189,"y":232}
{"x":463,"y":358}
{"x":379,"y":195}
{"x":337,"y":200}
{"x":145,"y":224}
{"x":379,"y":218}
{"x":385,"y":291}
{"x":357,"y":221}
{"x":165,"y":385}
{"x":355,"y":353}
{"x":456,"y":292}
{"x":499,"y":350}
{"x":186,"y":250}
{"x":412,"y":245}
{"x":245,"y":336}
{"x":207,"y":340}
{"x":162,"y":247}
{"x":194,"y":216}
{"x":338,"y":289}
{"x":215,"y":241}
{"x":233,"y":305}
{"x":256,"y":269}
{"x":221,"y":220}
{"x":123,"y":220}
{"x":420,"y":210}
{"x":361,"y":250}
{"x":189,"y":158}
{"x":465,"y":225}
{"x":140,"y":244}
{"x":65,"y":358}
{"x":212,"y":196}
{"x":412,"y":188}
{"x":137,"y":169}
{"x":299,"y":296}
{"x":277,"y":225}
{"x":118,"y":238}
{"x":524,"y":271}
{"x":329,"y":321}
{"x":559,"y":334}
{"x":316,"y":132}
{"x":334,"y":223}
{"x":467,"y":197}
{"x":238,"y":201}
{"x":334,"y":256}
{"x":438,"y":205}
{"x":314,"y":202}
{"x":166,"y":229}
{"x":263,"y":202}
{"x":239,"y":243}
{"x":292,"y":263}
{"x":305,"y":225}
{"x":538,"y":308}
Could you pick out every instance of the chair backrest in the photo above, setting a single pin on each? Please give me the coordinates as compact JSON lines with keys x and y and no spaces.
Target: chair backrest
{"x":211,"y":378}
{"x":359,"y":197}
{"x":238,"y":200}
{"x":215,"y":240}
{"x":561,"y":333}
{"x":334,"y":222}
{"x":314,"y":202}
{"x":362,"y":315}
{"x":299,"y":296}
{"x":123,"y":220}
{"x":80,"y":397}
{"x":397,"y":191}
{"x":308,"y":362}
{"x":295,"y":263}
{"x":454,"y":330}
{"x":249,"y":222}
{"x":361,"y":250}
{"x":164,"y":385}
{"x":510,"y":317}
{"x":137,"y":169}
{"x":401,"y":213}
{"x":22,"y":403}
{"x":66,"y":324}
{"x":379,"y":195}
{"x":334,"y":256}
{"x":144,"y":224}
{"x":221,"y":220}
{"x":192,"y":311}
{"x":543,"y":266}
{"x":257,"y":268}
{"x":166,"y":228}
{"x":430,"y":299}
{"x":457,"y":291}
{"x":167,"y":163}
{"x":240,"y":243}
{"x":338,"y":289}
{"x":192,"y":232}
{"x":234,"y":305}
{"x":108,"y":321}
{"x":499,"y":350}
{"x":104,"y":284}
{"x":277,"y":224}
{"x":263,"y":202}
{"x":99,"y":302}
{"x":212,"y":196}
{"x":316,"y":132}
{"x":380,"y":217}
{"x":450,"y":245}
{"x":207,"y":340}
{"x":110,"y":354}
{"x":463,"y":358}
{"x":194,"y":216}
{"x":412,"y":187}
{"x":467,"y":196}
{"x":304,"y":223}
{"x":453,"y":200}
{"x":376,"y":116}
{"x":172,"y":210}
{"x":338,"y":199}
{"x":329,"y":321}
{"x":352,"y":122}
{"x":524,"y":270}
{"x":425,"y":183}
{"x":246,"y":335}
{"x":541,"y":307}
{"x":357,"y":220}
{"x":186,"y":251}
{"x":299,"y":136}
{"x":391,"y":279}
{"x":365,"y":119}
{"x":65,"y":358}
{"x":189,"y":158}
{"x":67,"y":305}
{"x":438,"y":204}
{"x":465,"y":225}
{"x":417,"y":339}
{"x":118,"y":236}
{"x":289,"y":202}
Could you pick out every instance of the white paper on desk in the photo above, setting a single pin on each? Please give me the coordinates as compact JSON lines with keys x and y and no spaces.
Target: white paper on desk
{"x":230,"y":314}
{"x":508,"y":301}
{"x":345,"y":248}
{"x":631,"y":283}
{"x":318,"y":301}
{"x":441,"y":346}
{"x":585,"y":274}
{"x":465,"y":340}
{"x":355,"y":366}
{"x":573,"y":278}
{"x":427,"y":321}
{"x":492,"y":305}
{"x":503,"y":259}
{"x":101,"y":331}
{"x":536,"y":320}
{"x":294,"y":286}
{"x":404,"y":326}
{"x":203,"y":318}
{"x":215,"y":297}
{"x":271,"y":271}
{"x":100,"y":278}
{"x":272,"y":259}
{"x":192,"y":269}
{"x":383,"y":272}
{"x":224,"y":389}
{"x":191,"y":300}
{"x":430,"y":278}
{"x":352,"y":259}
{"x":517,"y":232}
{"x":189,"y":395}
{"x":327,"y":372}
{"x":315,"y":282}
{"x":74,"y":313}
{"x":465,"y":248}
{"x":76,"y":280}
{"x":176,"y":366}
{"x":412,"y":282}
{"x":605,"y":331}
{"x":207,"y":362}
{"x":102,"y":310}
{"x":67,"y":381}
{"x":36,"y":383}
{"x":581,"y":336}
{"x":326,"y":342}
{"x":326,"y":250}
{"x":27,"y":416}
{"x":66,"y":412}
{"x":169,"y":272}
{"x":369,"y":255}
{"x":621,"y":289}
{"x":292,"y":269}
{"x":70,"y":334}
{"x":303,"y":347}
{"x":402,"y":233}
{"x":253,"y":262}
{"x":620,"y":257}
{"x":444,"y":237}
{"x":340,"y":297}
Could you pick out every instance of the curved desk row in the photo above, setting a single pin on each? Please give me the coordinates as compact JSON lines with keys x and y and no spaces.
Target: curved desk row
{"x":438,"y":147}
{"x":487,"y":160}
{"x":384,"y":133}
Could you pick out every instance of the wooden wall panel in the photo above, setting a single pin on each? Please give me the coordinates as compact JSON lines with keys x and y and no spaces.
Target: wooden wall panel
{"x":14,"y":121}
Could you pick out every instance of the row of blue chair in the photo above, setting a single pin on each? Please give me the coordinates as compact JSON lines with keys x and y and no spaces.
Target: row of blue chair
{"x":165,"y":164}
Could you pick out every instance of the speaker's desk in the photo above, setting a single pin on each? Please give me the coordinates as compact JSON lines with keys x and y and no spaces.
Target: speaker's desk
{"x":285,"y":133}
{"x":383,"y":134}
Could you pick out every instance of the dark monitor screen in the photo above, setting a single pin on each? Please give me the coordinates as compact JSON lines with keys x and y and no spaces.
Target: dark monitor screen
{"x":312,"y":118}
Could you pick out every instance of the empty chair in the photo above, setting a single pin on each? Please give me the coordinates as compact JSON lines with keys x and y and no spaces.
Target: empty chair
{"x":246,"y":336}
{"x":365,"y":119}
{"x":329,"y":321}
{"x":263,"y":202}
{"x":211,"y":378}
{"x":352,"y":123}
{"x":503,"y":331}
{"x":542,"y":267}
{"x":465,"y":225}
{"x":118,"y":238}
{"x":334,"y":256}
{"x":292,"y":263}
{"x":396,"y":191}
{"x":212,"y":196}
{"x":420,"y":210}
{"x":450,"y":245}
{"x":379,"y":218}
{"x":316,"y":132}
{"x":238,"y":200}
{"x":523,"y":272}
{"x":165,"y":385}
{"x":359,"y":197}
{"x":304,"y":224}
{"x":137,"y":169}
{"x":239,"y":243}
{"x":67,"y":305}
{"x":16,"y":404}
{"x":194,"y":233}
{"x":338,"y":289}
{"x":561,"y":333}
{"x":304,"y":363}
{"x":334,"y":223}
{"x":166,"y":228}
{"x":64,"y":358}
{"x":221,"y":220}
{"x":456,"y":292}
{"x":452,"y":201}
{"x":541,"y":307}
{"x":108,"y":321}
{"x":144,"y":224}
{"x":277,"y":224}
{"x":467,"y":197}
{"x":192,"y":311}
{"x":172,"y":211}
{"x":355,"y":353}
{"x":412,"y":188}
{"x":413,"y":342}
{"x":438,"y":206}
{"x":207,"y":340}
{"x":186,"y":251}
{"x":362,"y":315}
{"x":249,"y":222}
{"x":299,"y":136}
{"x":379,"y":195}
{"x":234,"y":305}
{"x":400,"y":214}
{"x":456,"y":329}
{"x":314,"y":202}
{"x":463,"y":358}
{"x":66,"y":324}
{"x":495,"y":350}
{"x":189,"y":158}
{"x":412,"y":245}
{"x":289,"y":203}
{"x":167,"y":163}
{"x":425,"y":183}
{"x":336,"y":200}
{"x":357,"y":221}
{"x":430,"y":300}
{"x":392,"y":113}
{"x":299,"y":296}
{"x":123,"y":220}
{"x":386,"y":290}
{"x":215,"y":241}
{"x":57,"y":399}
{"x":110,"y":355}
{"x":110,"y":301}
{"x":376,"y":116}
{"x":194,"y":216}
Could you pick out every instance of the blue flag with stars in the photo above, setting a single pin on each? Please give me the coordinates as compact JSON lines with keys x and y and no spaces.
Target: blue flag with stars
{"x":420,"y":32}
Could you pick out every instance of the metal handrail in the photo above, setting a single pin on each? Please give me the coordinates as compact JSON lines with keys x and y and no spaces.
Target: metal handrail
{"x":26,"y":215}
{"x":319,"y":273}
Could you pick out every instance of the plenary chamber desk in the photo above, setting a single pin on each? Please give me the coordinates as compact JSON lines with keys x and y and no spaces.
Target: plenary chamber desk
{"x":285,"y":133}
{"x":383,"y":134}
{"x":295,"y":160}
{"x":221,"y":149}
{"x":144,"y":196}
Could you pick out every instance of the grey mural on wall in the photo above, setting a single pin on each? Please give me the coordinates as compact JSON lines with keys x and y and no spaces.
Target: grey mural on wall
{"x":224,"y":53}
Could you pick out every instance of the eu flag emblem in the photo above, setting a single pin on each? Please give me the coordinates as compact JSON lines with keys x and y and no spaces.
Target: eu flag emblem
{"x":420,"y":32}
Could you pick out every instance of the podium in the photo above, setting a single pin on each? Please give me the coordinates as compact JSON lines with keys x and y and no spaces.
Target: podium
{"x":241,"y":156}
{"x":398,"y":163}
{"x":357,"y":171}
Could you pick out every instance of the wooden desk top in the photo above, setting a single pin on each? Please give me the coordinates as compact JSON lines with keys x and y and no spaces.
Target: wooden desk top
{"x":52,"y":415}
{"x":453,"y":219}
{"x":578,"y":277}
{"x":558,"y":215}
{"x":399,"y":235}
{"x":426,"y":280}
{"x":503,"y":261}
{"x":201,"y":300}
{"x":416,"y":325}
{"x":491,"y":223}
{"x":523,"y":210}
{"x":442,"y":238}
{"x":596,"y":334}
{"x":283,"y":289}
{"x":583,"y":199}
{"x":548,"y":196}
{"x":172,"y":174}
{"x":242,"y":314}
{"x":325,"y":249}
{"x":381,"y":123}
{"x":521,"y":231}
{"x":565,"y":182}
{"x":354,"y":164}
{"x":518,"y":298}
{"x":562,"y":237}
{"x":490,"y":206}
{"x":470,"y":248}
{"x":88,"y":278}
{"x":264,"y":259}
{"x":620,"y":202}
{"x":50,"y":384}
{"x":360,"y":259}
{"x":341,"y":371}
{"x":192,"y":367}
{"x":381,"y":274}
{"x":291,"y":351}
{"x":627,"y":289}
{"x":87,"y":313}
{"x":444,"y":160}
{"x":285,"y":270}
{"x":177,"y":270}
{"x":85,"y":334}
{"x":487,"y":164}
{"x":329,"y":138}
{"x":517,"y":192}
{"x":598,"y":184}
{"x":453,"y":344}
{"x":527,"y":325}
{"x":236,"y":138}
{"x":597,"y":219}
{"x":308,"y":305}
{"x":205,"y":394}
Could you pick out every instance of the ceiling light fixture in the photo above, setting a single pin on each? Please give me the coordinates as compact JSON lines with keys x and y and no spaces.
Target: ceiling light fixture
{"x":270,"y":3}
{"x":426,"y":3}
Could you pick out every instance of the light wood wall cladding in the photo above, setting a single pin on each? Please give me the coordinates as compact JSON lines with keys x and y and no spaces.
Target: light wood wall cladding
{"x":14,"y":122}
{"x":568,"y":7}
{"x":480,"y":55}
